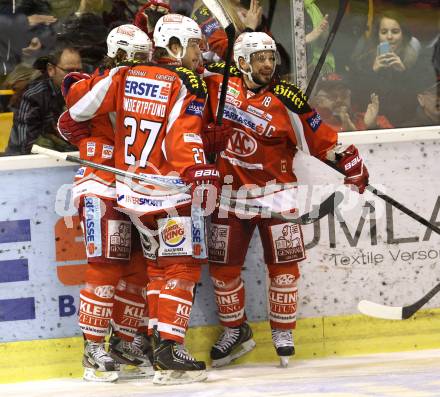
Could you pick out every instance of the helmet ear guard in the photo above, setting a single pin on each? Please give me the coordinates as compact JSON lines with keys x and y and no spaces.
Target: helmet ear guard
{"x":129,"y":39}
{"x":179,"y":26}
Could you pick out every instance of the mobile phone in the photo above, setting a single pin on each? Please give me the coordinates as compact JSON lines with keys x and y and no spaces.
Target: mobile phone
{"x":383,"y":48}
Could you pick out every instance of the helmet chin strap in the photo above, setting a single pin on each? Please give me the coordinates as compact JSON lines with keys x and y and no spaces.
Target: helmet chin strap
{"x":249,"y":75}
{"x":178,"y":56}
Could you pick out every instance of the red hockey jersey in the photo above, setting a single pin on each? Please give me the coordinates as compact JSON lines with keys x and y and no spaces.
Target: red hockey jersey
{"x":269,"y":127}
{"x":158,"y":123}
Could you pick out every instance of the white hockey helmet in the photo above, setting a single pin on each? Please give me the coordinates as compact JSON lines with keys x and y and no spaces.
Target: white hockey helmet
{"x":250,"y":42}
{"x":175,"y":25}
{"x":130,"y":39}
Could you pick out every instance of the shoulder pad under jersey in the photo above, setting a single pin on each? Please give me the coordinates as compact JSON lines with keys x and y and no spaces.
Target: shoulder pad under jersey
{"x":219,"y":67}
{"x":291,"y":96}
{"x":192,"y":81}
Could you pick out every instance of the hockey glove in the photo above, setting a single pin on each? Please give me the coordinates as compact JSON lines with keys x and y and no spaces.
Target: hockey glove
{"x":205,"y":183}
{"x":147,"y":16}
{"x":350,"y":163}
{"x":72,"y":131}
{"x":215,"y":138}
{"x":72,"y":78}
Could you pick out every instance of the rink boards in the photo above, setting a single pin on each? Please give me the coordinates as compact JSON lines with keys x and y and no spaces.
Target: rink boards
{"x":366,"y":251}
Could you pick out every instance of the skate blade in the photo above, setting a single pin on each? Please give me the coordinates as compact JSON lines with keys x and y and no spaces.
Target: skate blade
{"x":136,"y":372}
{"x":173,"y":377}
{"x":284,"y":361}
{"x":239,"y":351}
{"x":92,"y":375}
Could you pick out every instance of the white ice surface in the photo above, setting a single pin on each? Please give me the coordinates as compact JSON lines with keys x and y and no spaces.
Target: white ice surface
{"x":409,"y":374}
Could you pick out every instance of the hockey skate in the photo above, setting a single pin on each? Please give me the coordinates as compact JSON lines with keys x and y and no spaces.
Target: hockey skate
{"x":173,"y":365}
{"x":98,"y":365}
{"x":283,"y":342}
{"x":134,"y":357}
{"x":232,"y":344}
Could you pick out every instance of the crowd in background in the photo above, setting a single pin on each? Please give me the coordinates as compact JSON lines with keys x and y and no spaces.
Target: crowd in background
{"x":382,"y":71}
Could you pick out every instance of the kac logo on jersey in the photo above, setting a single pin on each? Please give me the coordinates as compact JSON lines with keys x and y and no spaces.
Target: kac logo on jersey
{"x":195,"y":108}
{"x":173,"y":233}
{"x":92,"y":226}
{"x":314,"y":121}
{"x":138,"y":87}
{"x":107,"y":151}
{"x":242,"y":144}
{"x":91,"y":147}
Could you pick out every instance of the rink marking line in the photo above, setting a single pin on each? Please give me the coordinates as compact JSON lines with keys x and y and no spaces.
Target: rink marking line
{"x":314,"y":338}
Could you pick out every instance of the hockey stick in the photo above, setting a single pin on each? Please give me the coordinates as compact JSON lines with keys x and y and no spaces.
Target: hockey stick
{"x":340,"y":14}
{"x":271,"y":12}
{"x":326,"y":207}
{"x":175,"y":184}
{"x":395,"y":312}
{"x":396,"y":204}
{"x":216,"y":9}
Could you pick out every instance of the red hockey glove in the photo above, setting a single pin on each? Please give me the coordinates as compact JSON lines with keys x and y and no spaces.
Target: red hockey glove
{"x":157,"y":7}
{"x":72,"y":131}
{"x":72,"y":78}
{"x":203,"y":175}
{"x":352,"y":166}
{"x":215,"y":138}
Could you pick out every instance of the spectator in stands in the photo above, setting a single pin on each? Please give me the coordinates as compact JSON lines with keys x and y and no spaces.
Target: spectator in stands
{"x":85,"y":29}
{"x":384,"y":64}
{"x":333,"y":102}
{"x":316,"y":34}
{"x":428,"y":108}
{"x":41,"y":105}
{"x":16,"y":34}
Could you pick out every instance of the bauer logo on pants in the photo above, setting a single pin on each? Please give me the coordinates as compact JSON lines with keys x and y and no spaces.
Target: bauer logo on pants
{"x":92,"y":219}
{"x":118,"y":239}
{"x":218,"y":243}
{"x":175,"y":236}
{"x":287,"y":242}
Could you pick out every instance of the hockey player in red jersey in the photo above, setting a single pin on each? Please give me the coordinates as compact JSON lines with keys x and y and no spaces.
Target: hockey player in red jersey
{"x":116,"y":278}
{"x":270,"y":121}
{"x":158,"y":122}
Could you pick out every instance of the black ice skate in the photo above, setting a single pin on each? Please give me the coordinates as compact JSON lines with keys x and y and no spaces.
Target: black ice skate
{"x":283,"y":342}
{"x":173,"y":365}
{"x":134,"y":356}
{"x":232,"y":343}
{"x":98,"y":365}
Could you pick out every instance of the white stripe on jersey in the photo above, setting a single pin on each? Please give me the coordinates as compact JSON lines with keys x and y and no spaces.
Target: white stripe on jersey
{"x":174,"y":114}
{"x":299,"y":132}
{"x":88,"y":105}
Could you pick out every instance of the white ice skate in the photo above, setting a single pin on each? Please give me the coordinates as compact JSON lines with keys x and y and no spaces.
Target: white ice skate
{"x":283,"y":342}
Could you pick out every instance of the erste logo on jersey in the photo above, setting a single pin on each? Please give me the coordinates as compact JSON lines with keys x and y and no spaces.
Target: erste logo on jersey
{"x":138,"y":87}
{"x":241,"y":144}
{"x":173,"y":233}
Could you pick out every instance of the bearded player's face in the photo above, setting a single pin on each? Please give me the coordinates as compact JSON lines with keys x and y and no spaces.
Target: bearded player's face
{"x":263,"y":66}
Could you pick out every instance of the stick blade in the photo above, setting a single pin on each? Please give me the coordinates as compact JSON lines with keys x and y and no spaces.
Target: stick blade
{"x":48,"y":152}
{"x":216,"y":9}
{"x":380,"y":311}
